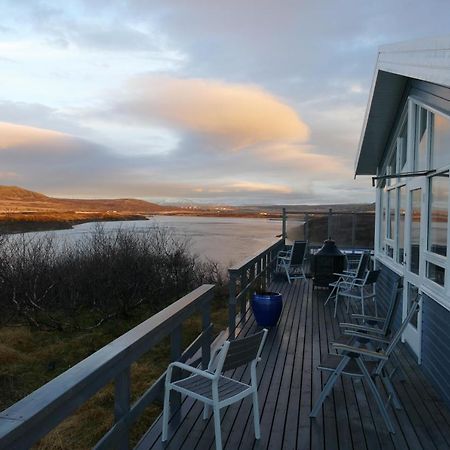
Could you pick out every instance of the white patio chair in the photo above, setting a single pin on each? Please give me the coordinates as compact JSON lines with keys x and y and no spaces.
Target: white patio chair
{"x":348,"y":276}
{"x":216,"y":390}
{"x":360,"y":289}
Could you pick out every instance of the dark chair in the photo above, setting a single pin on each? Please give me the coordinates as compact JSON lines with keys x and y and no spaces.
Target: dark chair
{"x":292,"y":263}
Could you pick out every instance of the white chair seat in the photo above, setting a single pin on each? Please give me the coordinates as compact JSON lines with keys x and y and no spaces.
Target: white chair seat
{"x":202,"y":386}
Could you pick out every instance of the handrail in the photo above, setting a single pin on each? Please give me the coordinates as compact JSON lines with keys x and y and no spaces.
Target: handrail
{"x":31,"y":418}
{"x":246,"y":275}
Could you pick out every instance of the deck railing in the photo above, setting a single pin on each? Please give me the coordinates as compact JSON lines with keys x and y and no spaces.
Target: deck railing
{"x":253,"y":272}
{"x":350,"y":229}
{"x":31,"y":418}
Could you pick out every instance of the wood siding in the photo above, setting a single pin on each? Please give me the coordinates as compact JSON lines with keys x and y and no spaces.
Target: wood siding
{"x":436,"y":346}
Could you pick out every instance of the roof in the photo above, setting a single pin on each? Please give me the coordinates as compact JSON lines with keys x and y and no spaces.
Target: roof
{"x":424,"y":59}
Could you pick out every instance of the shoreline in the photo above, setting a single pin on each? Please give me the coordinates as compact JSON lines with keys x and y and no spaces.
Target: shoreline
{"x":28,"y":223}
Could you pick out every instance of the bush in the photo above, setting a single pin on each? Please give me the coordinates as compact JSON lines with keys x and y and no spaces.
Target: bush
{"x":47,"y":283}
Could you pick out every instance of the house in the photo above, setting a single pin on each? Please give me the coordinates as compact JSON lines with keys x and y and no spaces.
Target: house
{"x":405,"y":146}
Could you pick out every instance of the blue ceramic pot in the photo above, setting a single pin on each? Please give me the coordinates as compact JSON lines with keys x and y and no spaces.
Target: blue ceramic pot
{"x":267,"y":308}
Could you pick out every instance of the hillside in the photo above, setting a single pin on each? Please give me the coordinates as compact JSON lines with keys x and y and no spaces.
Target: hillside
{"x":22,"y":210}
{"x":14,"y":199}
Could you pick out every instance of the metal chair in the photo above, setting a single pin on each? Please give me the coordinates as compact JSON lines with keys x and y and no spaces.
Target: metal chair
{"x":292,"y":263}
{"x":216,"y":390}
{"x":358,"y":362}
{"x":348,"y":276}
{"x":381,"y":326}
{"x":360,"y":289}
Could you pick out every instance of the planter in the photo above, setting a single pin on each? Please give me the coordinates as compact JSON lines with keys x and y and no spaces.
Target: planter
{"x":267,"y":308}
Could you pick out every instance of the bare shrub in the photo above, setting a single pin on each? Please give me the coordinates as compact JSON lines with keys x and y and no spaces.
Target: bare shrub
{"x":48,"y":283}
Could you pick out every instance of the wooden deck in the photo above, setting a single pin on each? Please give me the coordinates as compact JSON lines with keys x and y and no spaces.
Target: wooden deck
{"x":289,"y":383}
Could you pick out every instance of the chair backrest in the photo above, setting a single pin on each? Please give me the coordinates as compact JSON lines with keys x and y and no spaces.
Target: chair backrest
{"x":298,"y":253}
{"x":242,"y":351}
{"x":362,"y":265}
{"x":371,"y":277}
{"x":395,"y":291}
{"x":414,"y":307}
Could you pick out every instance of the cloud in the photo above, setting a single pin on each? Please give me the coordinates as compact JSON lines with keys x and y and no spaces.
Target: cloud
{"x":240,"y":115}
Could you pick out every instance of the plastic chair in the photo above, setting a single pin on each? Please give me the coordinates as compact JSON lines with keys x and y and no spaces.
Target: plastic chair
{"x":213,"y":388}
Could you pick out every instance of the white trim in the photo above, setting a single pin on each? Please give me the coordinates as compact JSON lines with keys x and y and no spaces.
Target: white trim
{"x":429,"y":289}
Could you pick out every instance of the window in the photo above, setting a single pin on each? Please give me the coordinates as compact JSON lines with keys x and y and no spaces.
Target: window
{"x":401,"y":224}
{"x":383,"y":219}
{"x":414,"y":241}
{"x":402,"y":148}
{"x":421,"y":148}
{"x":392,"y":207}
{"x":438,"y":214}
{"x":436,"y":273}
{"x":441,"y":142}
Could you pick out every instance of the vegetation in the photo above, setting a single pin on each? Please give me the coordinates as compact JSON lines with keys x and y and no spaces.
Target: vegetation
{"x":62,"y":302}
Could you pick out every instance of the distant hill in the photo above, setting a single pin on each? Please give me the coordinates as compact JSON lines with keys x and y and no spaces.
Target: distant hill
{"x":14,"y":199}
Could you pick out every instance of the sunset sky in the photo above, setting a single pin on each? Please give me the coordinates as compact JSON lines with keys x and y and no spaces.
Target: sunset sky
{"x":237,"y":101}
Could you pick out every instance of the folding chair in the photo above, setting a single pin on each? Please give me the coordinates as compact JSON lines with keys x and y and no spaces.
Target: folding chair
{"x":292,"y":263}
{"x":361,"y":289}
{"x":215,"y":389}
{"x":352,"y":361}
{"x":348,"y":276}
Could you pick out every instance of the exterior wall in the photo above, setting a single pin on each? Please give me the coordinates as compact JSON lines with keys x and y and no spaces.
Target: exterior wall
{"x":436,"y":346}
{"x":384,"y":294}
{"x":435,"y":313}
{"x":435,"y":337}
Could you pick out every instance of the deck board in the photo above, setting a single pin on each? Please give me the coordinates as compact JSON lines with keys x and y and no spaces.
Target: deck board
{"x":289,"y":384}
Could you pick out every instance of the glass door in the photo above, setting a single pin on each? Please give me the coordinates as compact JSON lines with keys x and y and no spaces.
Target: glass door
{"x":413,"y":263}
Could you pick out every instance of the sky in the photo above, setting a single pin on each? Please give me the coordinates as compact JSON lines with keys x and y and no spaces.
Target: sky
{"x":224,"y":102}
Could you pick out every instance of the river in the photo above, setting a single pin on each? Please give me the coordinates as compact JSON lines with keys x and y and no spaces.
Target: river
{"x":226,"y":240}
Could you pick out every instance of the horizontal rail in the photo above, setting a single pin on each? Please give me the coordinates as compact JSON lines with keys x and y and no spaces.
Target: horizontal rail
{"x":257,"y":256}
{"x":253,"y":270}
{"x":31,"y":418}
{"x":150,"y":395}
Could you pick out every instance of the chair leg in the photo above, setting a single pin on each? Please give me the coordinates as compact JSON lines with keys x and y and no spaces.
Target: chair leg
{"x":336,"y":301}
{"x":329,"y":386}
{"x":166,"y":412}
{"x":205,"y":411}
{"x":217,"y":429}
{"x":256,"y":415}
{"x":376,"y":394}
{"x":330,"y":295}
{"x":391,"y":391}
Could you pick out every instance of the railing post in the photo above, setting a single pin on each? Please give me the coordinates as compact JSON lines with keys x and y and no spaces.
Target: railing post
{"x":330,"y":218}
{"x":283,"y":231}
{"x":353,"y":230}
{"x":206,"y":344}
{"x":232,"y":305}
{"x":175,"y":353}
{"x":243,"y":297}
{"x":122,"y":404}
{"x":306,"y":227}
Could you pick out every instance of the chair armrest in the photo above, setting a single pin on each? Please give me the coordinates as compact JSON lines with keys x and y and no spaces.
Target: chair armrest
{"x":344,"y":348}
{"x":188,"y":368}
{"x":373,"y":318}
{"x":369,"y":337}
{"x":357,"y":327}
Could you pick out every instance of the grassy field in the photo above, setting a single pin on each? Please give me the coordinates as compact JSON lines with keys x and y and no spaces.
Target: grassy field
{"x":29,"y":358}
